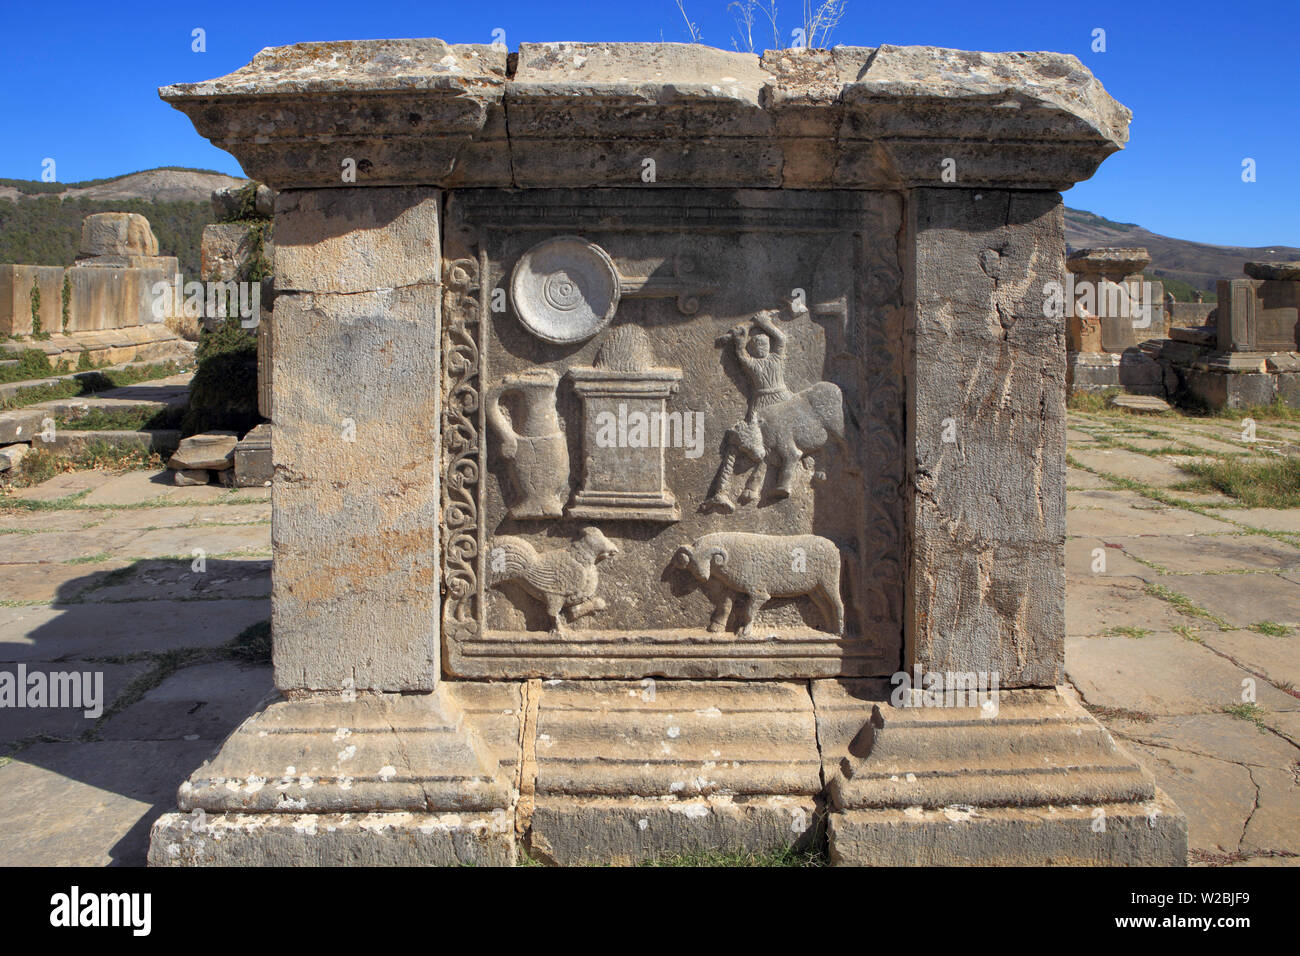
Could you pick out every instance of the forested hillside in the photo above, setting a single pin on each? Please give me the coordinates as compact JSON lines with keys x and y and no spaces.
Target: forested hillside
{"x":46,"y":231}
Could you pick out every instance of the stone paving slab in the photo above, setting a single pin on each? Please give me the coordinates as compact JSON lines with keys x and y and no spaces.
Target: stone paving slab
{"x":1095,"y":605}
{"x":1284,"y":724}
{"x":17,"y":723}
{"x":1216,"y":796}
{"x":178,"y":516}
{"x":63,"y":519}
{"x":90,"y":804}
{"x":78,"y":631}
{"x":61,"y":486}
{"x":149,"y":580}
{"x":1269,"y":519}
{"x":1217,"y":736}
{"x":181,"y":542}
{"x":1161,"y":674}
{"x":139,"y":487}
{"x":54,"y":582}
{"x":196,"y":703}
{"x":1276,"y":658}
{"x":1098,"y":560}
{"x":1127,"y":464}
{"x":1211,"y":553}
{"x":1241,"y":599}
{"x":65,"y":546}
{"x":1273,"y":826}
{"x":1100,"y":513}
{"x":1078,"y":478}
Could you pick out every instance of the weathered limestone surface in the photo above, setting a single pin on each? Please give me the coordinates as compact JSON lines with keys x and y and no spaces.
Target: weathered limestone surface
{"x":364,"y":240}
{"x":355,"y":532}
{"x":16,"y":283}
{"x":340,"y":839}
{"x":356,"y":593}
{"x":987,"y":580}
{"x":854,"y":116}
{"x":1153,"y":833}
{"x":880,"y":484}
{"x":253,"y":463}
{"x":373,"y":778}
{"x":627,"y":771}
{"x":109,"y":237}
{"x":1034,"y":780}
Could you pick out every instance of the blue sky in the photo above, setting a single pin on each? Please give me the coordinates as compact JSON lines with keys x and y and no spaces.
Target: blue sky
{"x":1209,"y":83}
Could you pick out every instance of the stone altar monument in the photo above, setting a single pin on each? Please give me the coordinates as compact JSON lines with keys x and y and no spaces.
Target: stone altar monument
{"x":1117,"y":320}
{"x":1248,"y":353}
{"x":732,"y":266}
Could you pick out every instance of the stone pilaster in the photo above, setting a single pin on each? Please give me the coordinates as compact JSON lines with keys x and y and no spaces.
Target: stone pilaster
{"x":986,"y":423}
{"x":356,"y":387}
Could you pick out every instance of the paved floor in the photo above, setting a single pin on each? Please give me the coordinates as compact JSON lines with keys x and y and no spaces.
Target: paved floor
{"x":147,"y":583}
{"x":1161,"y":601}
{"x":1183,"y":626}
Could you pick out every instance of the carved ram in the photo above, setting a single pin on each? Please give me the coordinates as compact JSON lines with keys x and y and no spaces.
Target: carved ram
{"x":759,"y":567}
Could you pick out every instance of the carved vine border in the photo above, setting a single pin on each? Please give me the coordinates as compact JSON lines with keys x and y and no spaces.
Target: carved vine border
{"x":464,"y":316}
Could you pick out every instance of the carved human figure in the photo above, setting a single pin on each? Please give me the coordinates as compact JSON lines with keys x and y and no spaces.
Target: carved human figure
{"x":765,"y":369}
{"x":758,"y":567}
{"x":780,"y":427}
{"x":562,"y":580}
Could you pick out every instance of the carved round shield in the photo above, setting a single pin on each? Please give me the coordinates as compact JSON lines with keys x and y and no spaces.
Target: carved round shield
{"x":565,"y":289}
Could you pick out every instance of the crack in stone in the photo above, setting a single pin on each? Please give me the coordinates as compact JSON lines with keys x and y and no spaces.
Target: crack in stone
{"x":531,"y":691}
{"x":1241,"y":843}
{"x":1163,"y":745}
{"x":817,"y":740}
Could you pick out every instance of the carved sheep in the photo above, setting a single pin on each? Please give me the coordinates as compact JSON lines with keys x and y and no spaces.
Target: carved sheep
{"x":759,"y":567}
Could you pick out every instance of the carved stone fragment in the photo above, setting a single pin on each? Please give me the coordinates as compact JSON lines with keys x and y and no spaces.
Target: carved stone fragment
{"x":565,"y":289}
{"x":780,"y":427}
{"x":627,"y":429}
{"x":759,"y":567}
{"x":532,"y":444}
{"x":562,"y":580}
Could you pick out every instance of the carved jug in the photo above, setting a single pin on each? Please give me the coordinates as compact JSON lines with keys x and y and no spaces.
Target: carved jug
{"x":532,"y":443}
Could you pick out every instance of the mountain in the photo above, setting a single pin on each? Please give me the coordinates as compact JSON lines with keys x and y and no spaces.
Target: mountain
{"x":41,"y":224}
{"x":1197,"y":264}
{"x":165,"y":184}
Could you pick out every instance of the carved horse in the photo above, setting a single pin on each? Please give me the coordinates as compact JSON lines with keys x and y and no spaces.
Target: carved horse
{"x":791,"y":431}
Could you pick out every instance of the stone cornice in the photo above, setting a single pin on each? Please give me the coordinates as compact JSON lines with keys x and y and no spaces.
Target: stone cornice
{"x":590,"y":114}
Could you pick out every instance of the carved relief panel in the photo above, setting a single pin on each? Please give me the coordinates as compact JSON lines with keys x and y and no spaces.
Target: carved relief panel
{"x":673,"y":434}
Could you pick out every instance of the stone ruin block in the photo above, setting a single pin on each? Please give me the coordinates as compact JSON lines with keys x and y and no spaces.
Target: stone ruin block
{"x":613,"y":499}
{"x":112,"y":287}
{"x":1115,"y":310}
{"x":1250,"y":355}
{"x":16,"y":282}
{"x":1258,"y":315}
{"x":116,"y":239}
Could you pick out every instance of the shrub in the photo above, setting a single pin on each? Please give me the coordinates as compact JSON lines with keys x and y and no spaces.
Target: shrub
{"x":32,"y":363}
{"x":67,"y":301}
{"x":223,"y":393}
